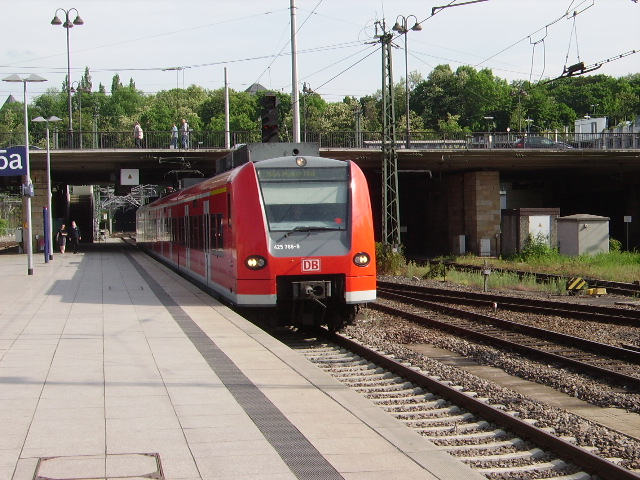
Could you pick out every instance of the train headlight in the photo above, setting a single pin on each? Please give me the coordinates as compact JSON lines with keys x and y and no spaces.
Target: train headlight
{"x":255,"y":262}
{"x":301,"y":161}
{"x":361,"y":259}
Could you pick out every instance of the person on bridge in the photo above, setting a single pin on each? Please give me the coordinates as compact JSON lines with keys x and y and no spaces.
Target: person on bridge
{"x":184,"y":130}
{"x":174,"y":136}
{"x":74,"y":236}
{"x":138,"y":134}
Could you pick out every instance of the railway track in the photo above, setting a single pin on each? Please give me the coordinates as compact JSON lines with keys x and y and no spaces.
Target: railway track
{"x":611,"y":363}
{"x":489,"y":438}
{"x":617,"y":288}
{"x":599,"y":313}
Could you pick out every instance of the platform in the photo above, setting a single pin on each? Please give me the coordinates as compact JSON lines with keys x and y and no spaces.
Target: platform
{"x":113,"y":366}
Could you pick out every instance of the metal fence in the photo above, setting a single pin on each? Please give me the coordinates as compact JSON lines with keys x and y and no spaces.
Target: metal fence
{"x":343,"y":139}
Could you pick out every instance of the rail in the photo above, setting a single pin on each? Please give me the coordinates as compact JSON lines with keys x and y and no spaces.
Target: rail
{"x":584,"y":458}
{"x":206,"y":139}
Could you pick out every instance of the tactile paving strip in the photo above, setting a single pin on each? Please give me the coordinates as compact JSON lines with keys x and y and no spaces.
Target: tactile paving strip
{"x":302,"y":458}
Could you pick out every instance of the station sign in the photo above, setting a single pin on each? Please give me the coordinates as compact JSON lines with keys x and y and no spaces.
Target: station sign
{"x":13,"y":161}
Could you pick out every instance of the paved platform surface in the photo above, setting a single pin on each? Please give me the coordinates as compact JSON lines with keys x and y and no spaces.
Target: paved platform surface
{"x":112,"y":366}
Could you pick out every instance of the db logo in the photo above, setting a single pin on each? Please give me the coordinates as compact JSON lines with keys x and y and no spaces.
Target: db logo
{"x":310,"y":264}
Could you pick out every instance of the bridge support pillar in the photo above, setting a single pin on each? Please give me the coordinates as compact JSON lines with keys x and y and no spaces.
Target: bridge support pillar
{"x":474,"y":211}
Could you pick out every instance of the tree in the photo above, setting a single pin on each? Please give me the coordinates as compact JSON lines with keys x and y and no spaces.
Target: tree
{"x":242,"y":111}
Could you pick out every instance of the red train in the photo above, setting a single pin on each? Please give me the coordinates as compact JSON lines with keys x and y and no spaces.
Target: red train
{"x":291,"y":234}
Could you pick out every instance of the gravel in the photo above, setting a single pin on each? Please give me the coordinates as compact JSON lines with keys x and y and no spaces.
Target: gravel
{"x":391,"y":334}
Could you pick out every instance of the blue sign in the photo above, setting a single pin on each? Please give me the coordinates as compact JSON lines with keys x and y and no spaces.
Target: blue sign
{"x":13,"y":161}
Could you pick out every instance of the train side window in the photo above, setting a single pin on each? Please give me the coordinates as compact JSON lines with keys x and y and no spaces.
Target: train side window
{"x":212,"y":231}
{"x":197,"y":232}
{"x":229,"y":210}
{"x":220,"y":225}
{"x":183,"y":223}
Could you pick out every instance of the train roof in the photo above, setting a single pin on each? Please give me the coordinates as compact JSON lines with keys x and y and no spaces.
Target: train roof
{"x":278,"y":155}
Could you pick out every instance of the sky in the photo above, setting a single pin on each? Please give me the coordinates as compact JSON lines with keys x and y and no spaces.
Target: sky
{"x":164,"y":44}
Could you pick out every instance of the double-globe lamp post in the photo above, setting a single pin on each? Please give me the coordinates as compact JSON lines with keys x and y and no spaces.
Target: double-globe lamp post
{"x":79,"y":92}
{"x":68,"y":25}
{"x":402,"y":27}
{"x":49,"y":214}
{"x":27,"y":188}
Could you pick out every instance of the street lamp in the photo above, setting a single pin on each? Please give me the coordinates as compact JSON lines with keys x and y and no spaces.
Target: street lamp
{"x":489,"y":120}
{"x":177,"y":70}
{"x":403,"y":28}
{"x":79,"y":90}
{"x":27,"y":178}
{"x":68,"y":25}
{"x":521,"y":92}
{"x":529,"y":122}
{"x":49,"y":233}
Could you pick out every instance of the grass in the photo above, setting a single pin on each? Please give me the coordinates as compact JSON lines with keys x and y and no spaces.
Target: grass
{"x":613,"y":266}
{"x":535,"y":257}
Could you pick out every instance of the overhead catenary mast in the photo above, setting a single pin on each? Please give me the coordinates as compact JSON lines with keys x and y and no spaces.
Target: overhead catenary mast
{"x":294,"y":76}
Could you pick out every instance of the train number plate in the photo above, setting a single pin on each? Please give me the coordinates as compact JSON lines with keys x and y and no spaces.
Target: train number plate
{"x":311,"y":265}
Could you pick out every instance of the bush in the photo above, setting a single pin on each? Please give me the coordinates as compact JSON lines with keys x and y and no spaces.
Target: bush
{"x":536,"y":247}
{"x":389,"y":261}
{"x":615,"y":245}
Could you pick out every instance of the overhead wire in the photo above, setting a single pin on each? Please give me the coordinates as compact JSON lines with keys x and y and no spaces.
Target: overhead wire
{"x":289,"y":41}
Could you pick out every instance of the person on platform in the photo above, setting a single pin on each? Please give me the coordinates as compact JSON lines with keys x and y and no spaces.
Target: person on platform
{"x":74,"y":236}
{"x":61,"y":237}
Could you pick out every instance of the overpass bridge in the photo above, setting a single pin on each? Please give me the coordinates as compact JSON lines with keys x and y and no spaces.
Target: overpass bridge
{"x":448,"y":188}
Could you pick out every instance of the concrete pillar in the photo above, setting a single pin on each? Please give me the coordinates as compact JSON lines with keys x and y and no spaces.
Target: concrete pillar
{"x":474,"y":211}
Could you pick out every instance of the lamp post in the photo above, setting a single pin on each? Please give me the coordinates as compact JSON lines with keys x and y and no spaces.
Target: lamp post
{"x":488,"y":119}
{"x":27,"y":177}
{"x":177,"y":70}
{"x":529,"y":122}
{"x":47,"y":120}
{"x":79,"y":91}
{"x":68,"y":25}
{"x":403,"y":28}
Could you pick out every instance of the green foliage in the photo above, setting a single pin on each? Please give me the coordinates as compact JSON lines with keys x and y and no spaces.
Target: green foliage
{"x":536,"y":247}
{"x":446,"y":101}
{"x":615,"y":245}
{"x":389,"y":261}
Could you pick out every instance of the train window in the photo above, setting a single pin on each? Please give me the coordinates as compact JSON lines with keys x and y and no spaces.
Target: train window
{"x":219,"y":228}
{"x":215,"y":231}
{"x":229,"y":210}
{"x":318,"y":199}
{"x":212,"y":231}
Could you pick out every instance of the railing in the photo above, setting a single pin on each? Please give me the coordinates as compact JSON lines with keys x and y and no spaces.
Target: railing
{"x":349,"y":139}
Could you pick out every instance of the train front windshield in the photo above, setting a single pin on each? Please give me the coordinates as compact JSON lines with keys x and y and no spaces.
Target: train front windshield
{"x":305,"y":198}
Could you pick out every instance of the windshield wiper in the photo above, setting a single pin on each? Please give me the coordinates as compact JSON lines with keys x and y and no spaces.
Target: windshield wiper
{"x":312,"y":229}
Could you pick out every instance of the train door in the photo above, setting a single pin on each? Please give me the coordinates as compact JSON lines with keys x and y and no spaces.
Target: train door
{"x":168,"y":245}
{"x":206,"y":230}
{"x":187,"y":238}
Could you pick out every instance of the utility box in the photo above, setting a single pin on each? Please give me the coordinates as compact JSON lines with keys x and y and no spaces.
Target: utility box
{"x":583,"y":234}
{"x":520,"y":223}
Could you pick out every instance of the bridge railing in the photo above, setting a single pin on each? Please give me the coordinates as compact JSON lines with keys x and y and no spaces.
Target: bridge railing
{"x":420,"y":140}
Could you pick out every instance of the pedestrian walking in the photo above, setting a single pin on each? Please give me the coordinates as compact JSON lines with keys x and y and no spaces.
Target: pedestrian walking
{"x":74,"y":236}
{"x":138,"y":135}
{"x":61,"y":237}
